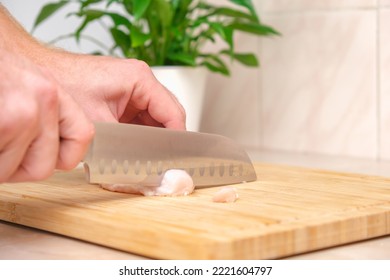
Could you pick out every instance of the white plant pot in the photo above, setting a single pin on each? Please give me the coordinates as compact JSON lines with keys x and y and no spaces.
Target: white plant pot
{"x":188,"y":85}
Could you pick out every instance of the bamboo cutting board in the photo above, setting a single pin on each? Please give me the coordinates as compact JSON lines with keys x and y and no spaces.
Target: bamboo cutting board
{"x":289,"y":210}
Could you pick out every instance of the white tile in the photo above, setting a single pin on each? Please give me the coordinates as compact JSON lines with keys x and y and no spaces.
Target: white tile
{"x":318,"y":84}
{"x":230,"y":105}
{"x":304,"y":5}
{"x":384,"y":2}
{"x":385,"y":84}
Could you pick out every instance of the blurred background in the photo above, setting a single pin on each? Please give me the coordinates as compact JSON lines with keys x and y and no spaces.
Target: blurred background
{"x":322,"y":86}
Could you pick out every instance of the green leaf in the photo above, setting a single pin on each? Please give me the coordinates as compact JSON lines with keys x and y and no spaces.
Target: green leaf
{"x":119,"y":19}
{"x":199,"y":22}
{"x":97,"y":53}
{"x":175,"y":4}
{"x":204,"y":35}
{"x":225,"y":32}
{"x":122,"y":40}
{"x":86,"y":3}
{"x":181,"y":10}
{"x":215,"y":64}
{"x":207,"y":33}
{"x":203,"y":5}
{"x":165,"y":12}
{"x":90,"y":15}
{"x":247,"y":4}
{"x":128,"y":5}
{"x":184,"y":58}
{"x":110,"y":2}
{"x":215,"y":68}
{"x":248,"y":59}
{"x":228,"y":12}
{"x":138,"y":38}
{"x":47,"y":11}
{"x":254,"y":28}
{"x":140,"y":6}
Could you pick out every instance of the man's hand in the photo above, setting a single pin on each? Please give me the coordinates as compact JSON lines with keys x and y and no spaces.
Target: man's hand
{"x":49,"y":97}
{"x":41,"y":127}
{"x":113,"y":89}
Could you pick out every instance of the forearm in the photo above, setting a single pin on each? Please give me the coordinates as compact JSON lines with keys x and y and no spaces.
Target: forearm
{"x":12,"y":35}
{"x":14,"y":38}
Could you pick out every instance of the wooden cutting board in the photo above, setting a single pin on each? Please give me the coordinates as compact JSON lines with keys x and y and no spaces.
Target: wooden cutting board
{"x":289,"y":210}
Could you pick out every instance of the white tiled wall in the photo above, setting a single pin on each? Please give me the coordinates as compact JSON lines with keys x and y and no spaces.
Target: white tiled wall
{"x":384,"y":3}
{"x":306,"y":5}
{"x":319,"y":83}
{"x":231,"y":104}
{"x":324,"y":85}
{"x":384,"y":97}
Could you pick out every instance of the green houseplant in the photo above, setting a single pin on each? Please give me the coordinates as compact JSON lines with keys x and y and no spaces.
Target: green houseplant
{"x":169,"y":32}
{"x":170,"y":35}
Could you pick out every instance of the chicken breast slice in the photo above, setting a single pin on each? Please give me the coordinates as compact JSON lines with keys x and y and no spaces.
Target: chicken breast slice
{"x":226,"y":194}
{"x":175,"y":182}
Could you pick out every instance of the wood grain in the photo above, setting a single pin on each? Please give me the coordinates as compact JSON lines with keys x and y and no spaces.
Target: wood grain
{"x":288,"y":211}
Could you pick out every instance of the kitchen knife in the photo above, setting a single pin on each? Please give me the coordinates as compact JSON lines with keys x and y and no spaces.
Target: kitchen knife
{"x":136,"y":154}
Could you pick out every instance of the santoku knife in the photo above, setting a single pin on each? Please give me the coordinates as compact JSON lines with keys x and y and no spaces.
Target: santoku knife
{"x":136,"y":154}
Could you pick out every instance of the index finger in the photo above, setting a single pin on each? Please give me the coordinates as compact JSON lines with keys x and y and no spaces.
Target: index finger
{"x":76,"y":132}
{"x":150,"y":95}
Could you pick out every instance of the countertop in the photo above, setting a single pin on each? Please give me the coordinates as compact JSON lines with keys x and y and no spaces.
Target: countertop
{"x":19,"y":242}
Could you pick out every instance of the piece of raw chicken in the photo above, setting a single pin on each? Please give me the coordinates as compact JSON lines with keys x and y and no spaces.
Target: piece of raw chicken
{"x":226,"y":194}
{"x":175,"y":182}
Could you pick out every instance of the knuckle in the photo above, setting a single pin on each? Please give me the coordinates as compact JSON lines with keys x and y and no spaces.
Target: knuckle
{"x":46,"y":91}
{"x":139,"y":65}
{"x":140,"y":69}
{"x":29,"y":114}
{"x":28,"y":117}
{"x":7,"y":125}
{"x":41,"y":93}
{"x":26,"y":114}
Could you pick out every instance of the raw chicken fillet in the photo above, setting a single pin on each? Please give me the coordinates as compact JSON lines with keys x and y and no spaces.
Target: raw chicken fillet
{"x":175,"y":182}
{"x":226,"y":194}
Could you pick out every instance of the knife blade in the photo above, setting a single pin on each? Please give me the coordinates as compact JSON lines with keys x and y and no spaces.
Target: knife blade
{"x":136,"y":154}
